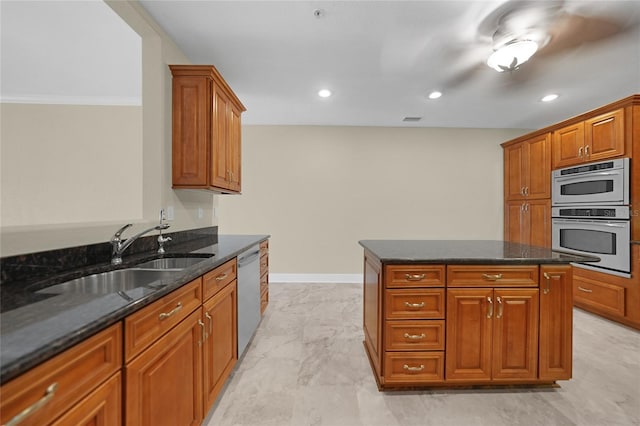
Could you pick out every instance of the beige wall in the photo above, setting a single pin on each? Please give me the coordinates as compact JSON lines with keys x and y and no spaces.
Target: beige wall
{"x":318,"y":190}
{"x":71,"y":222}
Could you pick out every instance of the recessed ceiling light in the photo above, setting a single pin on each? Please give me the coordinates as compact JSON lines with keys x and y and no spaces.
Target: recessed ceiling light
{"x":324,"y":93}
{"x":435,"y":95}
{"x":550,"y":97}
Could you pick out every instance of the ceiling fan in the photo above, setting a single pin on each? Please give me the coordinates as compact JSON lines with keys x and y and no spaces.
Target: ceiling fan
{"x":518,"y":33}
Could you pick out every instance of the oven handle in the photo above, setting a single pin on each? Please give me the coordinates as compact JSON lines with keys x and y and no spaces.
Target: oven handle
{"x":578,"y":221}
{"x":582,"y":177}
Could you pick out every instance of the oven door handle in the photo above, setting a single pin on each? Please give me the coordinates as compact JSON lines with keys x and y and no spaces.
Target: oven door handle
{"x":582,"y":177}
{"x":600,"y":223}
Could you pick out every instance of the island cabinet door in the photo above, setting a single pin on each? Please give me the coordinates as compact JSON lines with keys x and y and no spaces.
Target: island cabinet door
{"x":372,"y":315}
{"x":515,"y":334}
{"x":468,"y":353}
{"x":556,"y":322}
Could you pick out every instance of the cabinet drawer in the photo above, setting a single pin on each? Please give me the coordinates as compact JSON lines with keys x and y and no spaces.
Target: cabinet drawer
{"x":216,"y":280}
{"x":599,"y":295}
{"x":414,"y":276}
{"x":77,"y":371}
{"x":414,"y":303}
{"x":492,"y":276}
{"x":424,"y":335}
{"x":413,"y":367}
{"x":145,"y":326}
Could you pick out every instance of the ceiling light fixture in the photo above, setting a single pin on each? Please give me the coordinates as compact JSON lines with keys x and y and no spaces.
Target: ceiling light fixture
{"x":511,"y":55}
{"x":324,"y":93}
{"x":550,"y":97}
{"x":435,"y":95}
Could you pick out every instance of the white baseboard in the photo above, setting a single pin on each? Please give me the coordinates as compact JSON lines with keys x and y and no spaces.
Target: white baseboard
{"x":315,"y":278}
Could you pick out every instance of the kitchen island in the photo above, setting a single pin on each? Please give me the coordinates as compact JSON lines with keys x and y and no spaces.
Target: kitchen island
{"x":447,"y":313}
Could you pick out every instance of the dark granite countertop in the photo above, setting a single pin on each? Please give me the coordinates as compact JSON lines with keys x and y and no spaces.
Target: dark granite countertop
{"x":43,"y":326}
{"x":466,"y":252}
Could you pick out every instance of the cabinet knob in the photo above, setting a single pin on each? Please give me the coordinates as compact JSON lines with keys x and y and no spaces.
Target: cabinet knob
{"x":414,"y":277}
{"x":413,"y":369}
{"x":414,"y":336}
{"x":492,"y":277}
{"x":586,"y":151}
{"x":414,"y":305}
{"x":490,"y":309}
{"x":580,"y":151}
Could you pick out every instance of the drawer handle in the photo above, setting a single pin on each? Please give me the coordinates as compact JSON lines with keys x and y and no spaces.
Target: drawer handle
{"x":490,"y":310}
{"x":414,"y":277}
{"x":204,"y":333}
{"x":165,"y":315}
{"x":414,"y":305}
{"x":500,"y":307}
{"x":414,"y":336}
{"x":413,"y":369}
{"x":48,"y":395}
{"x":492,"y":277}
{"x":586,"y":290}
{"x":222,"y":277}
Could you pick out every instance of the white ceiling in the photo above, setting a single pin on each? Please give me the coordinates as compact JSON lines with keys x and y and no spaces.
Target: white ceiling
{"x":68,"y":52}
{"x":382,"y":58}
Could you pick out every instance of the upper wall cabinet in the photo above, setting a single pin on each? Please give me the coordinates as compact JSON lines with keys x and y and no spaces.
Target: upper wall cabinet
{"x":597,"y":138}
{"x":206,"y":130}
{"x":527,"y":168}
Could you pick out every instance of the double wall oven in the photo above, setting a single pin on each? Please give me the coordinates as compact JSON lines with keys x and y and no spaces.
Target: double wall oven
{"x":590,"y":214}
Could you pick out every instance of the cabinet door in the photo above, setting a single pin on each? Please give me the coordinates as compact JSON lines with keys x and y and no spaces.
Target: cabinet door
{"x":515,"y":171}
{"x":234,"y":149}
{"x":164,"y":383}
{"x":191,"y":130}
{"x":556,"y":322}
{"x":538,"y":182}
{"x":468,"y":341}
{"x":605,"y":136}
{"x":514,"y":229}
{"x":568,"y":146}
{"x":538,"y":228}
{"x":515,"y":334}
{"x":101,"y":407}
{"x":221,"y":346}
{"x":372,"y":315}
{"x":219,"y":148}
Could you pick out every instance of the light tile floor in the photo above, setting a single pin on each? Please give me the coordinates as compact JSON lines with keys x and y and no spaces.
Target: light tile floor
{"x":306,"y":366}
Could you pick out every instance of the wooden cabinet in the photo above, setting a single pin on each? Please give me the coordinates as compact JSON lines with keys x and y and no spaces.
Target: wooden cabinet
{"x":556,"y":322}
{"x":414,"y":336}
{"x":527,"y":169}
{"x":220,"y":347}
{"x":372,"y":315}
{"x":73,"y":387}
{"x":527,"y":191}
{"x":206,"y":130}
{"x":264,"y":275}
{"x":492,"y":334}
{"x":597,"y":138}
{"x":164,"y":382}
{"x":528,"y":222}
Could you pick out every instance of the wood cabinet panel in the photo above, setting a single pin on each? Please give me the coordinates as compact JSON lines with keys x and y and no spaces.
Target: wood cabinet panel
{"x":103,"y":407}
{"x":220,"y":349}
{"x":424,"y":303}
{"x":515,"y":334}
{"x":415,"y":368}
{"x":164,"y":384}
{"x":604,"y":136}
{"x":412,"y":335}
{"x":492,"y":275}
{"x":414,"y":276}
{"x":468,"y":348}
{"x":515,"y":170}
{"x":600,"y":295}
{"x":568,"y":146}
{"x":556,"y":322}
{"x":63,"y":380}
{"x":527,"y":169}
{"x":215,"y":280}
{"x":528,"y":222}
{"x":372,"y":314}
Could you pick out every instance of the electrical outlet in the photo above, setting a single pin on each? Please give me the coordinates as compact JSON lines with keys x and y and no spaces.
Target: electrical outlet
{"x":200,"y":213}
{"x":169,"y":213}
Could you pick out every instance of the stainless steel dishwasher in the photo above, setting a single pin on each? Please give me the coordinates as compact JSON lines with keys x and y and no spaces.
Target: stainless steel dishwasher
{"x":248,"y":296}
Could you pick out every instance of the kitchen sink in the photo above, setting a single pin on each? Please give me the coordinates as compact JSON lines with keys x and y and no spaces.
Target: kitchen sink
{"x":168,"y":263}
{"x":111,"y":282}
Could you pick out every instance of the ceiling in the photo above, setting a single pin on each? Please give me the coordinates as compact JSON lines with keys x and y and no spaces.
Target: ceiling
{"x":381,"y":59}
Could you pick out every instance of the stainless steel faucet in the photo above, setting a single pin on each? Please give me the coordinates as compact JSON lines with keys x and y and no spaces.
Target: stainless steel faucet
{"x":120,"y":246}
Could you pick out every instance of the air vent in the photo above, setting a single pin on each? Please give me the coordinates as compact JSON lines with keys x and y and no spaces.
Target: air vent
{"x":412,"y":119}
